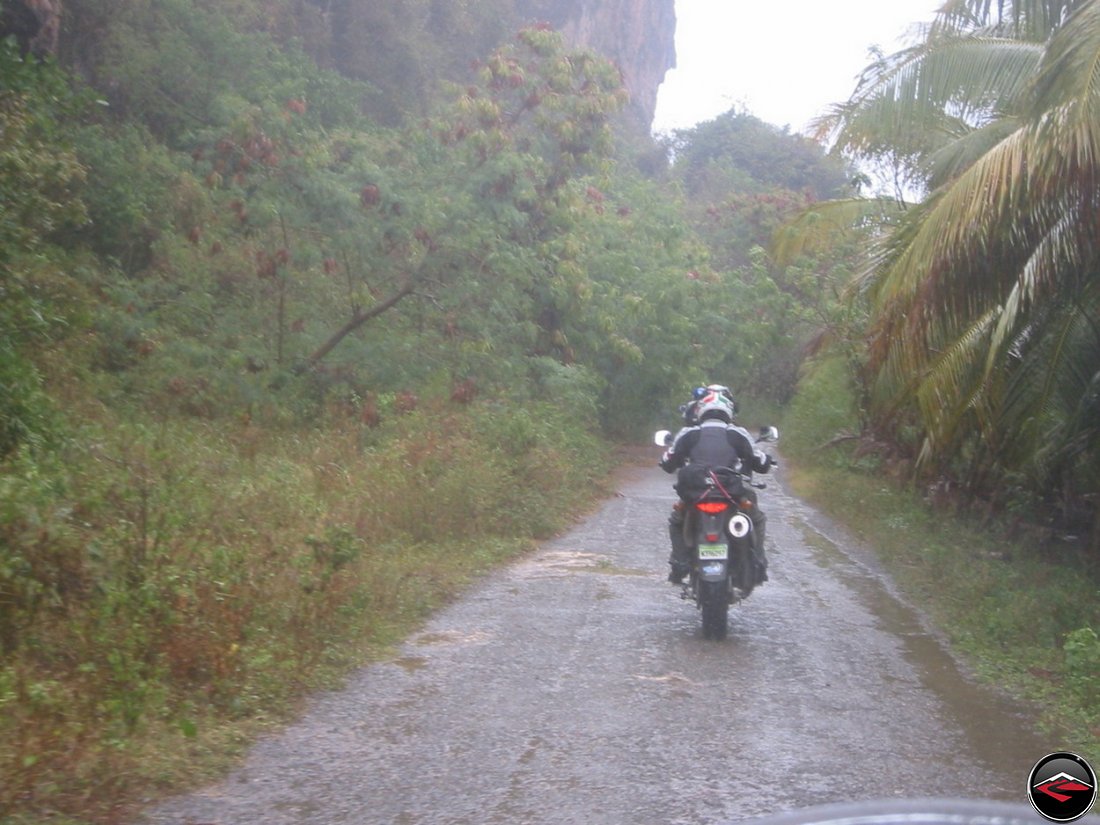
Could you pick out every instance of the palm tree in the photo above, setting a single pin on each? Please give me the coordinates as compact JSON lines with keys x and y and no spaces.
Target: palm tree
{"x":985,"y":295}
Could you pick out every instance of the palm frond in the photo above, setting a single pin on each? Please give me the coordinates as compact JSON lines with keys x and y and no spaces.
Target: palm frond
{"x":953,"y":158}
{"x":1069,"y":75}
{"x":1031,"y":20}
{"x":819,"y":226}
{"x":954,"y":234}
{"x":978,"y":77}
{"x":984,"y":297}
{"x":1053,"y":395}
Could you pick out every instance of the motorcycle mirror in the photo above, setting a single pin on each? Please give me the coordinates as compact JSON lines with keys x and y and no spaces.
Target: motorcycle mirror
{"x":662,"y":438}
{"x":768,"y":434}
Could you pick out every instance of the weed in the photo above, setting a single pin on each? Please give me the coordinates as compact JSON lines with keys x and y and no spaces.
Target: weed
{"x":164,"y":591}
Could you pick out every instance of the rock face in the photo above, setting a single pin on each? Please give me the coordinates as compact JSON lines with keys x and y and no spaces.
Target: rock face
{"x":35,"y":24}
{"x":638,"y":35}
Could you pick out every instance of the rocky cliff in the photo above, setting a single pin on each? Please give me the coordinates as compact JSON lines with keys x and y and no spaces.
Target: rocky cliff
{"x":636,"y":34}
{"x":34,"y":24}
{"x":369,"y":40}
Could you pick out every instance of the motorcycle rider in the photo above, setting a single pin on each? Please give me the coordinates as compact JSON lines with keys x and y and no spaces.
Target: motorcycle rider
{"x":714,"y":441}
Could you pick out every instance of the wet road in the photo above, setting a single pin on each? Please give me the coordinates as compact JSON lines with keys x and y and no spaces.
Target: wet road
{"x":576,"y":687}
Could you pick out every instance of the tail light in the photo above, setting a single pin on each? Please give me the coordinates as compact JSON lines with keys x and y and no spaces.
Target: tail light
{"x":712,"y":508}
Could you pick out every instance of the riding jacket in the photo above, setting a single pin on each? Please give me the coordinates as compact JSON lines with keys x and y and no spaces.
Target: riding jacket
{"x":714,"y":443}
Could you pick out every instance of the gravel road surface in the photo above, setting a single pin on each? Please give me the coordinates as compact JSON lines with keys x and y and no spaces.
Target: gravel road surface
{"x":575,"y":687}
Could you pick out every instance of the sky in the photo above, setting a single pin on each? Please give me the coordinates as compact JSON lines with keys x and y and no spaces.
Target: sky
{"x":784,"y":61}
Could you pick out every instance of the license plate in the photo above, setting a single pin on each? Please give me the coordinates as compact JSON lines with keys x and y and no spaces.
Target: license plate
{"x":712,"y":551}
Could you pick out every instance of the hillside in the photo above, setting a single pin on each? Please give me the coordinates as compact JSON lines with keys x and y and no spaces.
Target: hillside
{"x":402,"y":48}
{"x":300,"y":298}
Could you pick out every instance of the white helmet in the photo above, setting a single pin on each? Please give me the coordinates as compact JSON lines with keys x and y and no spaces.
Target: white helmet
{"x":714,"y":405}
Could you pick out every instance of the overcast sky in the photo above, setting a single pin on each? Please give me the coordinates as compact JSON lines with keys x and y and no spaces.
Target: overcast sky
{"x":784,"y":61}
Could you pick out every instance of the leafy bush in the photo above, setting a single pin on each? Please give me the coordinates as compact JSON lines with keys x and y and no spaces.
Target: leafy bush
{"x":162,"y":581}
{"x":26,"y":414}
{"x":824,"y":407}
{"x":40,"y":181}
{"x":127,"y":193}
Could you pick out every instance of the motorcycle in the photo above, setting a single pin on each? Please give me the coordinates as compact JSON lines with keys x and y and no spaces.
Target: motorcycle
{"x":720,"y":536}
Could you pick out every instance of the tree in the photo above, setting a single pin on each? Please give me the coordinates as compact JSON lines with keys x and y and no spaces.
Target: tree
{"x":985,"y":296}
{"x":538,"y":120}
{"x":738,"y":152}
{"x":40,"y":182}
{"x":742,"y":180}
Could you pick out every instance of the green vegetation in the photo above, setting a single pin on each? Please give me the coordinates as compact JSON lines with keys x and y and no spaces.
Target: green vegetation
{"x":951,"y":414}
{"x":982,"y":352}
{"x":743,"y":180}
{"x":289,"y":355}
{"x":294,"y":307}
{"x":170,"y":588}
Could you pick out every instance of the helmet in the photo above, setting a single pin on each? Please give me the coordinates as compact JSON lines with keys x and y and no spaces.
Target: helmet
{"x":714,"y":405}
{"x":722,"y":389}
{"x":690,"y":411}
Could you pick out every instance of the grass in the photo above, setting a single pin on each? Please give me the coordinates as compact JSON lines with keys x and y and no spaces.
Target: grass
{"x":169,"y":590}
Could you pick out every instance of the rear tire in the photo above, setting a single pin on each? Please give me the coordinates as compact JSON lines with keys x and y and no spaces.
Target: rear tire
{"x":714,"y":603}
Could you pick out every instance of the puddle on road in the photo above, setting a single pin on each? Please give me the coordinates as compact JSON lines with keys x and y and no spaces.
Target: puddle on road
{"x":451,"y":637}
{"x":575,"y":561}
{"x":977,"y":710}
{"x":410,"y":663}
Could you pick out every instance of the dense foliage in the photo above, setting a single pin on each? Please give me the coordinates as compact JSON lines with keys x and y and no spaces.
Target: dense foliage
{"x":969,"y":360}
{"x":263,"y":289}
{"x":38,"y":175}
{"x":742,"y":181}
{"x":983,"y":351}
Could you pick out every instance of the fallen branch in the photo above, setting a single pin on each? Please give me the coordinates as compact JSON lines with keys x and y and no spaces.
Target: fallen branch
{"x":839,"y":439}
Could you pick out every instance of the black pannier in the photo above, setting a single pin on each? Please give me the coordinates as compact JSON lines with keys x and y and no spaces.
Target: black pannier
{"x":694,"y":480}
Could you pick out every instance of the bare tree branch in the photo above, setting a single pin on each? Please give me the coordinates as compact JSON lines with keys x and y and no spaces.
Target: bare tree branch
{"x":358,"y":318}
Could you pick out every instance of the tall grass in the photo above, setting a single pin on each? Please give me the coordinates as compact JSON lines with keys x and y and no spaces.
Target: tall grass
{"x":167,"y":589}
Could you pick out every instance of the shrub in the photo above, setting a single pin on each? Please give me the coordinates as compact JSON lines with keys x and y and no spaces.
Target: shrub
{"x":824,"y":406}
